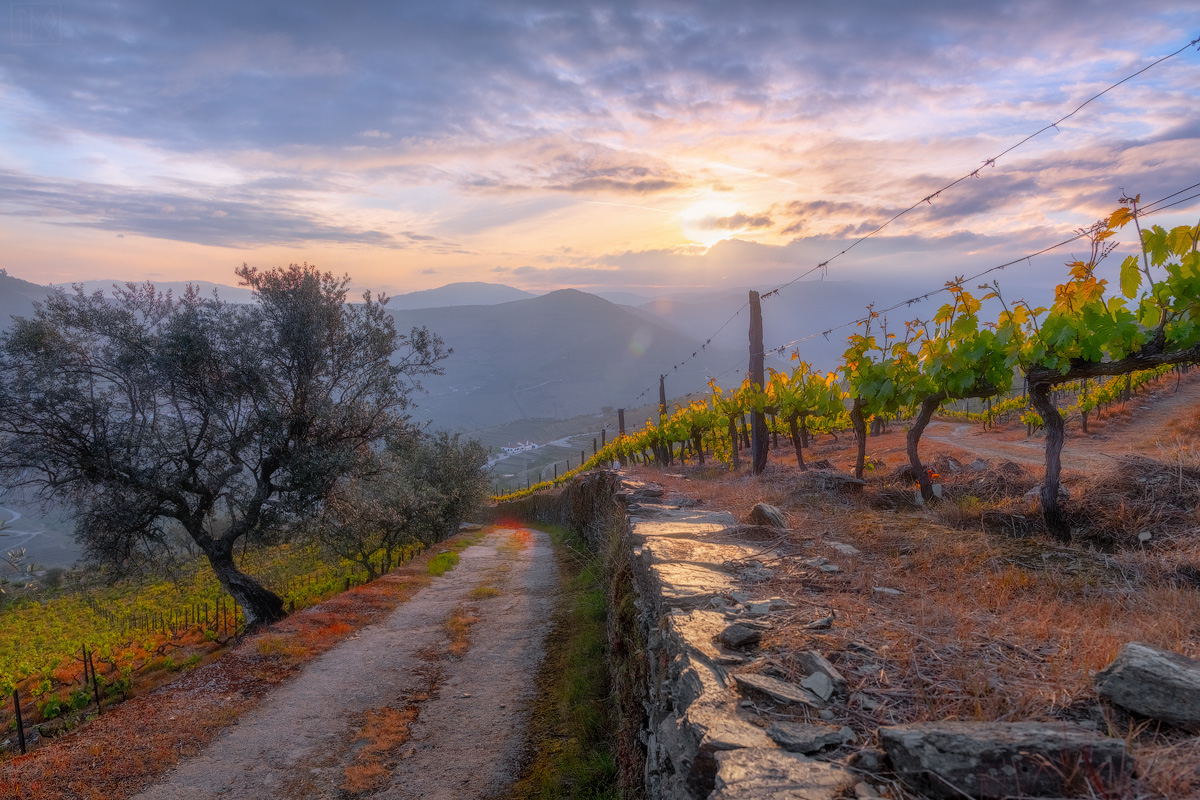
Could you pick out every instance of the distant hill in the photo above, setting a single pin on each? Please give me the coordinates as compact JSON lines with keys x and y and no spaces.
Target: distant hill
{"x":557,"y":355}
{"x":458,"y":294}
{"x":624,"y":298}
{"x":17,"y":298}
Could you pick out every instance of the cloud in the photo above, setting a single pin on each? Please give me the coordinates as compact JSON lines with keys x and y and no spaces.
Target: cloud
{"x":160,"y":215}
{"x":479,"y":127}
{"x":564,"y":165}
{"x":292,"y":74}
{"x":735,"y":222}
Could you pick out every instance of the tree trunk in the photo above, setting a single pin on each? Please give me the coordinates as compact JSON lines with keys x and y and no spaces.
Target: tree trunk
{"x":860,"y":434}
{"x":733,"y":441}
{"x":928,"y":406}
{"x":797,"y":440}
{"x":1056,"y":521}
{"x":261,"y":605}
{"x":698,"y":441}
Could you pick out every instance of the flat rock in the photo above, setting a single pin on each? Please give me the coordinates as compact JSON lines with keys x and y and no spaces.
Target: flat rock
{"x":800,"y":737}
{"x":845,"y":549}
{"x":722,"y":556}
{"x":641,"y":488}
{"x":768,"y":774}
{"x":992,"y":760}
{"x":1153,"y":682}
{"x":768,"y":516}
{"x":813,"y":663}
{"x":683,"y":523}
{"x":694,"y":631}
{"x":688,"y":586}
{"x":778,"y":690}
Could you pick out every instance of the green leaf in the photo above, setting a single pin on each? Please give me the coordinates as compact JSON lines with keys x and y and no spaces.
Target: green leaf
{"x":1131,"y":277}
{"x":1179,"y":240}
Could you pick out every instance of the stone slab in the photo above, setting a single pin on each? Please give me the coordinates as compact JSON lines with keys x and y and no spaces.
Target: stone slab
{"x":778,"y":690}
{"x":753,"y":774}
{"x":712,"y":554}
{"x":688,"y":586}
{"x":992,"y":760}
{"x":682,"y":523}
{"x":807,"y":738}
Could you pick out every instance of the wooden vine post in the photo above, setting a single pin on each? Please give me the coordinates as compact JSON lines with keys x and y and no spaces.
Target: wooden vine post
{"x":20,"y":722}
{"x":759,"y":441}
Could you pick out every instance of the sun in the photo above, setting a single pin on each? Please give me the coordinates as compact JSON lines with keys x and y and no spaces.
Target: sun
{"x":701,"y":221}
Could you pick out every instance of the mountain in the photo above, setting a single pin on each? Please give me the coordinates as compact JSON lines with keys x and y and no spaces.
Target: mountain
{"x":556,"y":355}
{"x":624,"y":298}
{"x":458,"y":294}
{"x":17,"y":298}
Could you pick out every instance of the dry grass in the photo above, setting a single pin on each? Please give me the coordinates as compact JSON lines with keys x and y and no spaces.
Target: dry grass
{"x":133,"y":744}
{"x":458,"y":625}
{"x":1154,"y":498}
{"x":384,"y":731}
{"x":517,"y":541}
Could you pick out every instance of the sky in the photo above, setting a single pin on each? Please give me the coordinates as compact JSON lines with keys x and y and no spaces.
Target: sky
{"x":648,"y":146}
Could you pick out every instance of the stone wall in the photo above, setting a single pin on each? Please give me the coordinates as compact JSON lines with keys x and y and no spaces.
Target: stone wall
{"x":706,"y":716}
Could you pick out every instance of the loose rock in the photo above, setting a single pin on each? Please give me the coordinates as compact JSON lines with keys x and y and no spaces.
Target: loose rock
{"x":819,"y":684}
{"x":739,"y":636}
{"x":1153,"y":682}
{"x":768,"y":516}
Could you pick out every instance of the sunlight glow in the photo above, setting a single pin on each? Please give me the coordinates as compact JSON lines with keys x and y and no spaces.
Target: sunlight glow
{"x":704,"y":222}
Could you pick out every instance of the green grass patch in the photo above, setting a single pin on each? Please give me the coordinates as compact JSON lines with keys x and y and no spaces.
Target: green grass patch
{"x":442,"y":563}
{"x":484,"y":592}
{"x":574,"y":718}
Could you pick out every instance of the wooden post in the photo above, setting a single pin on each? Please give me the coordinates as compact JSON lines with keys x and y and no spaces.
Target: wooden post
{"x":555,"y":470}
{"x":661,"y":449}
{"x":20,"y":722}
{"x":758,"y":421}
{"x":95,"y":683}
{"x":595,"y":449}
{"x":603,"y":437}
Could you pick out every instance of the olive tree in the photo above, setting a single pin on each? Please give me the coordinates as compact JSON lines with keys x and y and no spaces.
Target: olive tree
{"x":150,"y":414}
{"x":422,"y":487}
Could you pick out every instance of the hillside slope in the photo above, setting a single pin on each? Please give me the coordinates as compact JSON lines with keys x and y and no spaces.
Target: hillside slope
{"x":557,"y":355}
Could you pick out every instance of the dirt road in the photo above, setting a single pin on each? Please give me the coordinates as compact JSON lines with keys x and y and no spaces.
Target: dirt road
{"x":408,"y":708}
{"x":1150,"y":423}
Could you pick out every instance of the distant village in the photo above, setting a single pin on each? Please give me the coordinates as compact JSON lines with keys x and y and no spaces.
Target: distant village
{"x":519,"y":447}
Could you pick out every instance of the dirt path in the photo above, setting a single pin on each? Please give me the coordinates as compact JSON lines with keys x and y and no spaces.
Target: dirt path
{"x":400,"y":711}
{"x":1152,"y":418}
